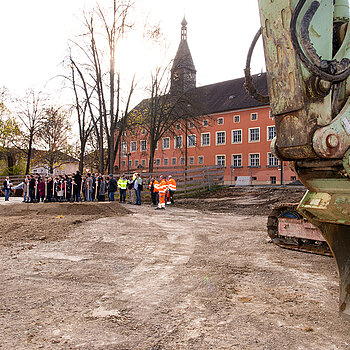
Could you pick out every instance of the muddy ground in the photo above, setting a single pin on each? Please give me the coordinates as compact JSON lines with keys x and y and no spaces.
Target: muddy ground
{"x":113,"y":277}
{"x":243,"y":200}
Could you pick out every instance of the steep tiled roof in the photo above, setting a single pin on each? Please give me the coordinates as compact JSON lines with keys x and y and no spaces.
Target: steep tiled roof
{"x":230,"y":95}
{"x":225,"y":96}
{"x":183,"y":58}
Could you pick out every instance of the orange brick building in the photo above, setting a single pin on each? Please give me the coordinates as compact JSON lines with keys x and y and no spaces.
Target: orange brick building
{"x":235,"y":130}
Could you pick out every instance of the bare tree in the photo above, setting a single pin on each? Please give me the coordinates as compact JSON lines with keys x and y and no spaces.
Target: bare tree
{"x":31,"y":112}
{"x":101,"y":81}
{"x":84,"y":109}
{"x":166,"y":113}
{"x":54,"y":138}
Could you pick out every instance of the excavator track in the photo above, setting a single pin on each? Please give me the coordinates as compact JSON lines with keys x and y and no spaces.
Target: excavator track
{"x":288,"y":229}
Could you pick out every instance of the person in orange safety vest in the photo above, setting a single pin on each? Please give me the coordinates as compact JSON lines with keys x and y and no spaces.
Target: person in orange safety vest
{"x":172,"y":188}
{"x":162,"y":188}
{"x":154,"y":189}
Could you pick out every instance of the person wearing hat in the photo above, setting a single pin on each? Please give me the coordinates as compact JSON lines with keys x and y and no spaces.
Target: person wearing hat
{"x":122,"y":185}
{"x":162,"y":188}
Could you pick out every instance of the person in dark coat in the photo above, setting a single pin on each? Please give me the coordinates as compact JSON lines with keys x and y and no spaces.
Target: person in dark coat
{"x":77,"y":186}
{"x":32,"y":185}
{"x":112,"y":187}
{"x":49,"y":190}
{"x":101,"y":189}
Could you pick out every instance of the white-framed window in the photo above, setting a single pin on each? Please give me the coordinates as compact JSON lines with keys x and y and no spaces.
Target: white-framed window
{"x":143,"y":162}
{"x":130,"y":163}
{"x":254,"y":159}
{"x":136,"y":162}
{"x":143,"y":145}
{"x":205,"y":122}
{"x":158,"y":161}
{"x":182,"y":161}
{"x":220,"y":121}
{"x":143,"y":131}
{"x":173,"y":161}
{"x":254,"y":134}
{"x":191,"y":140}
{"x":293,"y":178}
{"x":237,"y":136}
{"x":133,"y":146}
{"x":178,"y":141}
{"x":166,"y":143}
{"x":190,"y":125}
{"x":273,"y":180}
{"x":236,"y":119}
{"x":205,"y":139}
{"x":178,"y":126}
{"x":124,"y":149}
{"x":124,"y":163}
{"x":270,"y":114}
{"x":253,"y":116}
{"x":200,"y":159}
{"x":237,"y":160}
{"x":221,"y":160}
{"x":166,"y":161}
{"x":272,"y":160}
{"x":271,"y":132}
{"x":191,"y":160}
{"x":221,"y":137}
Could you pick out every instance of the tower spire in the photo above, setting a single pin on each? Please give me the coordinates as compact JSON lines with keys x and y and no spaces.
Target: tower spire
{"x":184,"y":29}
{"x":183,"y":72}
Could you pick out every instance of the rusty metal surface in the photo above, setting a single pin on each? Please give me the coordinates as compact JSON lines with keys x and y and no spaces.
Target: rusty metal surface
{"x":299,"y":229}
{"x":285,"y":87}
{"x":295,"y":234}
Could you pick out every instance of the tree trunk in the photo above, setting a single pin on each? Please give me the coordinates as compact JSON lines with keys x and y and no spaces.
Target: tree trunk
{"x":151,"y":157}
{"x":29,"y":155}
{"x":101,"y":150}
{"x":111,"y":155}
{"x":81,"y":158}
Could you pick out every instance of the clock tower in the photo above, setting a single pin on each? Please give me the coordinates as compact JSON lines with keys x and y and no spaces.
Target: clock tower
{"x":183,"y":72}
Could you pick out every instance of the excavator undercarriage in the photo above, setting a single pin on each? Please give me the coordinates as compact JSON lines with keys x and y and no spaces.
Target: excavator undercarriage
{"x":307,"y":51}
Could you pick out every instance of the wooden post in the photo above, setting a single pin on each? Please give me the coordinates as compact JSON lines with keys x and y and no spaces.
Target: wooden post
{"x":208,"y":178}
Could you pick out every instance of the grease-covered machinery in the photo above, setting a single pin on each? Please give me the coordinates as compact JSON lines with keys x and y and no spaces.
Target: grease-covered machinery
{"x":307,"y":50}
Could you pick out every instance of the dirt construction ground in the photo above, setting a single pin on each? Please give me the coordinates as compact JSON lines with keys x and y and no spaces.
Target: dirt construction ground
{"x":200,"y":275}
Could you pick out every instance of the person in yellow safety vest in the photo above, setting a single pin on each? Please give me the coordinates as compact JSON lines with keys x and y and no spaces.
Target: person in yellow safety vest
{"x":154,"y":189}
{"x":162,"y":191}
{"x":172,"y":188}
{"x":122,"y":185}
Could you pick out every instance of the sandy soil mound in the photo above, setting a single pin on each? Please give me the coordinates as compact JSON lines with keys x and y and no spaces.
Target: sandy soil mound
{"x":50,"y":221}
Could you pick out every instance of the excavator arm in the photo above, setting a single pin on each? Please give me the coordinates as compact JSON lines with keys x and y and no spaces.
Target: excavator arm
{"x":307,"y":51}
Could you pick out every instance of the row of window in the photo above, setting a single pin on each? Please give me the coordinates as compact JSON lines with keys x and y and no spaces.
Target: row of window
{"x":237,"y":161}
{"x":254,"y":160}
{"x":220,"y":139}
{"x":220,"y":120}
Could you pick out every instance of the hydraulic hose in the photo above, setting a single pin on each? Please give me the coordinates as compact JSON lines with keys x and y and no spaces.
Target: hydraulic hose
{"x":248,"y":84}
{"x":332,"y":71}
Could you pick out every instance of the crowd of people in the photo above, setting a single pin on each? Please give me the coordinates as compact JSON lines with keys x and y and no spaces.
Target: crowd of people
{"x":72,"y":187}
{"x":76,"y":188}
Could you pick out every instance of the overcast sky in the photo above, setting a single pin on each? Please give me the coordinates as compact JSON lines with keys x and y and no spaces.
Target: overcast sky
{"x":35,"y":35}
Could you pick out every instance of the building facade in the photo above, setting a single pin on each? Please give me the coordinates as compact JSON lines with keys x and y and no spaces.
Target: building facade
{"x":234,"y":130}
